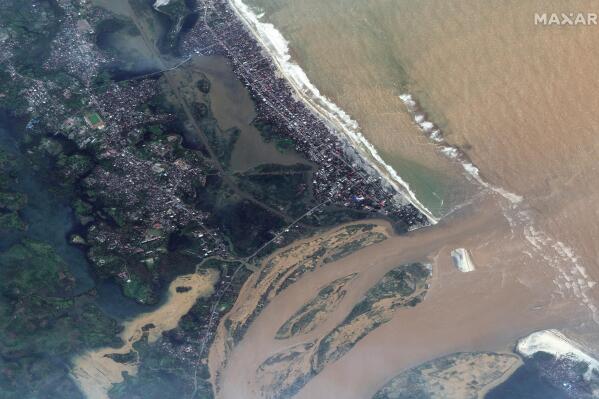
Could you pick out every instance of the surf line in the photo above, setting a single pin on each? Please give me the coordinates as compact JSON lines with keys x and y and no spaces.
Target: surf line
{"x":277,"y":47}
{"x":433,"y":133}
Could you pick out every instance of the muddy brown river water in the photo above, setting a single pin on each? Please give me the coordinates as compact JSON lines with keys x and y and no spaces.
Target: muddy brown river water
{"x":509,"y":295}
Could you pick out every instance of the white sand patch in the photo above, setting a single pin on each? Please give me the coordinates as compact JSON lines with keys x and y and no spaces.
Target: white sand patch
{"x":461,"y":259}
{"x":557,"y":344}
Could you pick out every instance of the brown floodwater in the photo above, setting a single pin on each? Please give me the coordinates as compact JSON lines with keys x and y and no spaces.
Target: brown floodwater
{"x":95,"y":372}
{"x":509,"y":295}
{"x":520,"y":101}
{"x":233,"y":108}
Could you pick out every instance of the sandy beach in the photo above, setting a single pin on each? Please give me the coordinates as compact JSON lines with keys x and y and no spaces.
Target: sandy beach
{"x":517,"y":98}
{"x":337,"y":118}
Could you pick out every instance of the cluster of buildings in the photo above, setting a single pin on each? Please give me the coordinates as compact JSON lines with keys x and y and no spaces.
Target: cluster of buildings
{"x":146,"y":176}
{"x":73,"y":50}
{"x":343,"y":175}
{"x":142,"y":183}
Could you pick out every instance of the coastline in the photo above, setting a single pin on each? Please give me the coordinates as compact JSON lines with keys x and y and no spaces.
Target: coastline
{"x":275,"y":45}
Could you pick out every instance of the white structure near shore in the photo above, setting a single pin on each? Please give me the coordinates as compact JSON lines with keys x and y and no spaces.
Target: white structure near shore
{"x":461,"y":259}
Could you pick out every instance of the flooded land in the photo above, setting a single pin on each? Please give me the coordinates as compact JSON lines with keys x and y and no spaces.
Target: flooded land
{"x":480,"y":110}
{"x":415,"y":216}
{"x":454,"y":315}
{"x":97,"y":371}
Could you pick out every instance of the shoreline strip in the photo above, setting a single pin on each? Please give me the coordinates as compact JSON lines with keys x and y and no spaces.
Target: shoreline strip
{"x":275,"y":45}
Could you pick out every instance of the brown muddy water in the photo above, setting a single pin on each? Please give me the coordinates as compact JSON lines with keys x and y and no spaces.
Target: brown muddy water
{"x":508,"y":296}
{"x":95,"y":372}
{"x":519,"y":100}
{"x":233,"y":108}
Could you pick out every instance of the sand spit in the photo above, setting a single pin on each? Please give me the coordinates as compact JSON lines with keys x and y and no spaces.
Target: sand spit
{"x":160,"y":3}
{"x":557,"y":344}
{"x":95,"y":372}
{"x":276,"y":46}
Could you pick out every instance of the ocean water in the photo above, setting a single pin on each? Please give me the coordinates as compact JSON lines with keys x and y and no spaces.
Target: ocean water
{"x":514,"y":103}
{"x":497,"y":86}
{"x":352,"y":63}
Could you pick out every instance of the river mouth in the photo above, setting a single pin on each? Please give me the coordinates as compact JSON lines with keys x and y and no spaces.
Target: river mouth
{"x":320,"y":316}
{"x":414,"y":335}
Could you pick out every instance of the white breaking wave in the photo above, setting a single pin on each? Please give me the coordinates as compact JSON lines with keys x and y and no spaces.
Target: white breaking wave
{"x":452,"y":152}
{"x":557,"y":344}
{"x":575,"y":279}
{"x":277,"y":46}
{"x":474,"y":172}
{"x":572,"y":277}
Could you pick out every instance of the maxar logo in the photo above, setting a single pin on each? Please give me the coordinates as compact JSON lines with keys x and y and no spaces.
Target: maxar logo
{"x":566,"y":19}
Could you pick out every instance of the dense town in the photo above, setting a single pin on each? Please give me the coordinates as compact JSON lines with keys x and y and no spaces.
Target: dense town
{"x":149,"y":202}
{"x":138,"y":186}
{"x":344,"y":176}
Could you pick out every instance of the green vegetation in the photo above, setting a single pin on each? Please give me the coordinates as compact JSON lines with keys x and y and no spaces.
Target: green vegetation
{"x":160,"y":376}
{"x":282,"y":187}
{"x":11,"y":221}
{"x":164,"y":376}
{"x":404,"y":285}
{"x":74,"y":167}
{"x":10,"y":96}
{"x":94,"y":119}
{"x":398,"y":284}
{"x":221,"y":141}
{"x":138,"y":289}
{"x":10,"y":202}
{"x":203,"y":85}
{"x":33,"y":25}
{"x":175,"y":13}
{"x":315,"y":311}
{"x":247,"y":225}
{"x":41,"y":325}
{"x":464,"y":374}
{"x":269,"y":134}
